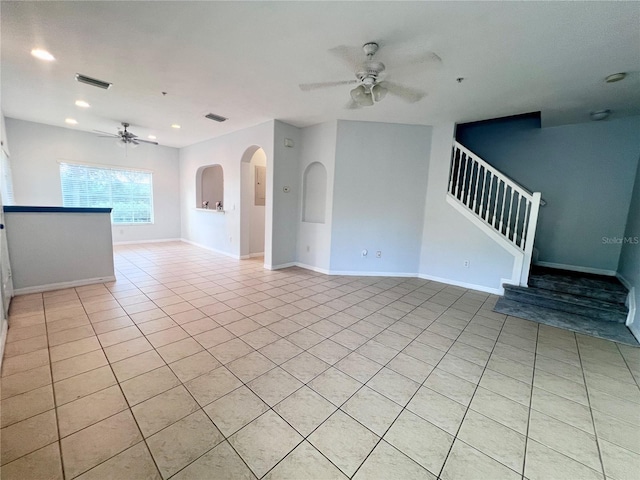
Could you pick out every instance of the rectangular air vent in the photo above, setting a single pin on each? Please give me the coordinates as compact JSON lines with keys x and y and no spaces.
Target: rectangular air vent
{"x":217,"y":118}
{"x":92,"y":81}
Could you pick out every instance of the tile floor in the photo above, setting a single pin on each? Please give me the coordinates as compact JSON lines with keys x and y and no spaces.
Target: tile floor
{"x":196,"y":366}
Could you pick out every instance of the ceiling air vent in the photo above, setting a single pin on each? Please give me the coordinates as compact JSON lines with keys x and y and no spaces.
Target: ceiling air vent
{"x":92,"y":81}
{"x":217,"y":118}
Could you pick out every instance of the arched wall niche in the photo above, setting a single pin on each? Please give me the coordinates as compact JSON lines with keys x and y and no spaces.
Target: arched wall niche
{"x":209,"y":186}
{"x":314,"y":199}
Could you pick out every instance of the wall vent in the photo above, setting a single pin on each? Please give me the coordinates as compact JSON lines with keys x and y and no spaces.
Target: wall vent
{"x":92,"y":81}
{"x":217,"y":118}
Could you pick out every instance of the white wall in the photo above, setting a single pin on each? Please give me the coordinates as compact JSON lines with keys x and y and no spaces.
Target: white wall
{"x":285,"y":211}
{"x":220,"y":231}
{"x":36,"y":150}
{"x":629,"y":266}
{"x":585,"y":173}
{"x":256,"y":229}
{"x":448,"y":239}
{"x":378,"y":201}
{"x":314,"y":239}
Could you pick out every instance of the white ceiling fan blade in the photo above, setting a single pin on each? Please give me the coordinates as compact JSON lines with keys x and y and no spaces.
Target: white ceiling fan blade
{"x":145,"y":141}
{"x":105,"y":134}
{"x":352,"y":56}
{"x":408,"y":94}
{"x":305,"y":87}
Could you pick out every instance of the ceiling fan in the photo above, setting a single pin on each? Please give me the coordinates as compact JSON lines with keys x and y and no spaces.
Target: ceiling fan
{"x":125,"y":137}
{"x":371,"y":89}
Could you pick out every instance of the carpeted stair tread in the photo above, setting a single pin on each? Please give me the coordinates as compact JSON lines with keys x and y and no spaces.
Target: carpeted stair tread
{"x":591,"y":307}
{"x":616,"y":332}
{"x":593,"y":288}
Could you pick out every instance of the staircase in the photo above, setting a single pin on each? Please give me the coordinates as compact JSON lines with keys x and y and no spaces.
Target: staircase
{"x":585,"y":303}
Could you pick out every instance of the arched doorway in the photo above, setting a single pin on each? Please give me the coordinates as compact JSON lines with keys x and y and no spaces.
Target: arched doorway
{"x":253,"y":202}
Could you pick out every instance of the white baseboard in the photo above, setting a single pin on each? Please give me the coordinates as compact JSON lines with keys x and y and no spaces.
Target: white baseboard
{"x":576,"y":268}
{"x":3,"y":338}
{"x":350,"y":273}
{"x":470,"y":286}
{"x":211,"y":249}
{"x":162,"y":240}
{"x":255,"y":255}
{"x":313,"y":268}
{"x":281,"y":266}
{"x":62,"y":285}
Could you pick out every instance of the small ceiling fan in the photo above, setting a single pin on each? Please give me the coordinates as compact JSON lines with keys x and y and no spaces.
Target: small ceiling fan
{"x":371,"y":89}
{"x":125,"y":137}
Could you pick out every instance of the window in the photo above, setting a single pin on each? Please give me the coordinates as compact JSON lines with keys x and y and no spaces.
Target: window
{"x":6,"y":182}
{"x":128,"y":192}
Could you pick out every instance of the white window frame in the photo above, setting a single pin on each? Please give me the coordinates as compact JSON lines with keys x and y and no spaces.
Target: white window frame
{"x":108,"y":200}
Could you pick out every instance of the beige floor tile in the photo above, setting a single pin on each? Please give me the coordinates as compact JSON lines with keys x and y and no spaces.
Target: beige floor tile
{"x":329,"y":352}
{"x":437,"y":409}
{"x":260,"y":338}
{"x":510,"y":368}
{"x":394,"y":386}
{"x":214,"y":337}
{"x":21,"y":363}
{"x":41,"y":464}
{"x":220,"y":462}
{"x":562,"y":409}
{"x":153,"y":326}
{"x":451,"y":386}
{"x":335,"y":386}
{"x":107,"y":315}
{"x":612,"y":386}
{"x":305,"y":462}
{"x":543,"y":463}
{"x":619,"y":463}
{"x":22,"y":333}
{"x":410,"y":367}
{"x":493,"y":439}
{"x":148,"y":315}
{"x":111,"y":325}
{"x":84,"y":384}
{"x":422,"y":441}
{"x":274,"y":386}
{"x":165,"y":337}
{"x":20,"y":407}
{"x":560,"y":369}
{"x":615,"y":406}
{"x":305,"y":410}
{"x":25,"y":381}
{"x":21,"y":347}
{"x":373,"y":410}
{"x":616,"y":431}
{"x":118,"y":336}
{"x":386,"y":462}
{"x":250,"y":366}
{"x":147,"y":385}
{"x":506,"y":386}
{"x":264,"y":442}
{"x":28,"y":435}
{"x":326,"y":328}
{"x":182,"y":442}
{"x":199,"y":326}
{"x":164,"y":409}
{"x":229,"y":351}
{"x":194,"y":366}
{"x":65,"y":336}
{"x":305,"y":338}
{"x":137,"y":365}
{"x":213,"y":385}
{"x":78,"y":364}
{"x":564,"y":438}
{"x":179,"y":350}
{"x":344,"y":441}
{"x":560,"y":386}
{"x":280,"y":351}
{"x":134,"y":463}
{"x":91,"y":409}
{"x":507,"y":412}
{"x":128,"y":349}
{"x":72,"y":349}
{"x":358,"y":367}
{"x":467,"y":463}
{"x":235,"y":410}
{"x":87,"y":448}
{"x":424,"y":353}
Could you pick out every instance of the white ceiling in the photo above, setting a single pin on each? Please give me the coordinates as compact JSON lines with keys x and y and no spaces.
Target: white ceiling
{"x":244,"y":60}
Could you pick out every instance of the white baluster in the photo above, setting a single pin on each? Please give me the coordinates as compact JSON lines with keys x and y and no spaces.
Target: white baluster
{"x":464,"y":178}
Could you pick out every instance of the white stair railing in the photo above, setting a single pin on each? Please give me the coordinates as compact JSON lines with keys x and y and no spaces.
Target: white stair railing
{"x":500,"y":203}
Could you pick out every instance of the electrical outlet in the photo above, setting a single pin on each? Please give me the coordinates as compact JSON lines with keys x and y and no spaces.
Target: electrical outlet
{"x":365,"y":252}
{"x":466,"y":264}
{"x":378,"y":254}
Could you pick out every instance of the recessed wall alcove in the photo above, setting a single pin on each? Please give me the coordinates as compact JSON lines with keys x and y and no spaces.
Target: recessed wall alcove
{"x":314,"y":198}
{"x":209,"y":186}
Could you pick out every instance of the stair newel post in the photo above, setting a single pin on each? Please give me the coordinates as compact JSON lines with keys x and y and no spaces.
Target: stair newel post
{"x":531,"y":234}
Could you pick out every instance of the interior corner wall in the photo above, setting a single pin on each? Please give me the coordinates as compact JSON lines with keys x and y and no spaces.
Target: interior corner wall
{"x":585,"y":173}
{"x":448,"y":238}
{"x":213,"y":230}
{"x":285,"y":211}
{"x":629,"y":265}
{"x":314,"y":239}
{"x":378,"y":197}
{"x":36,"y":150}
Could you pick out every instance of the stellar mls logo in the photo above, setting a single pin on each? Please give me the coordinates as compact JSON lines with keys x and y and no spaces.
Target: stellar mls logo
{"x":620,"y":240}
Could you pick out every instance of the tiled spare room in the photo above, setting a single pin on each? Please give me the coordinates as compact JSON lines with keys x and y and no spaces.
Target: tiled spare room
{"x":193,"y":365}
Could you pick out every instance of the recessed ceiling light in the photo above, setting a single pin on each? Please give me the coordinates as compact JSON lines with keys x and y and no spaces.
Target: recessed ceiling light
{"x":175,"y":125}
{"x":82,"y":103}
{"x":600,"y":115}
{"x":71,"y":121}
{"x":151,"y":137}
{"x":42,"y":55}
{"x":615,"y":77}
